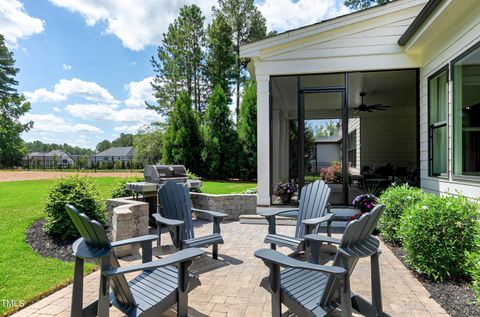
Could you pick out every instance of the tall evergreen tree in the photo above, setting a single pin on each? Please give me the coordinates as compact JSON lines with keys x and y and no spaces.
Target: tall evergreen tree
{"x":182,"y":140}
{"x":363,"y":4}
{"x":248,"y":25}
{"x":12,"y":107}
{"x":181,"y":60}
{"x":221,"y":59}
{"x":247,"y":131}
{"x":220,"y":138}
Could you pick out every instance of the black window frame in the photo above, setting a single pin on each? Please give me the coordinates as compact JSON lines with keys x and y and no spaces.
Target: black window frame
{"x":433,"y":126}
{"x":462,"y":55}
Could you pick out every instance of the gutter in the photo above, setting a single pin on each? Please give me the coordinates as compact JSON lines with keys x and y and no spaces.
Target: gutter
{"x":418,"y":22}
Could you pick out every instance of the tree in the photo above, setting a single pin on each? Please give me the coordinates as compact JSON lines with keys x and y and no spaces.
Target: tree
{"x":248,"y":25}
{"x":103,"y":145}
{"x":247,"y":131}
{"x":12,"y":107}
{"x":8,"y":71}
{"x":221,"y":55}
{"x":181,"y":61}
{"x":220,"y":138}
{"x":182,"y":141}
{"x":147,"y":144}
{"x":363,"y":4}
{"x":123,"y":140}
{"x":330,"y":128}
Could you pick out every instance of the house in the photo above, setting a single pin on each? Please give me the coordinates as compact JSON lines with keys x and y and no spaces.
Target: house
{"x":120,"y":154}
{"x":52,"y":159}
{"x":408,"y":71}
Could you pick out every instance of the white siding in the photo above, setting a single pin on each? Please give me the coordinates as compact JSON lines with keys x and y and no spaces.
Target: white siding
{"x":462,"y":34}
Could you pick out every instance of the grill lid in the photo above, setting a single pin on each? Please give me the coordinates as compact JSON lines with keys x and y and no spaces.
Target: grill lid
{"x":158,"y":173}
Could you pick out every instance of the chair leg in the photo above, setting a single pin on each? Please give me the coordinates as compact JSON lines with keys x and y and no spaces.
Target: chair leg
{"x":215,"y":251}
{"x":182,"y":303}
{"x":77,"y":292}
{"x":274,"y":280}
{"x":103,"y":308}
{"x":346,"y":297}
{"x":377,"y":309}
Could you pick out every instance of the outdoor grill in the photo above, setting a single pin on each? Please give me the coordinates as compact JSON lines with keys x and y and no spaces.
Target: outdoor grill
{"x":155,"y":176}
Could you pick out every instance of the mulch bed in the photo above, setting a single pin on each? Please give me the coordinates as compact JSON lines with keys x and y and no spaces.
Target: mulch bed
{"x":47,"y":246}
{"x":454,"y":296}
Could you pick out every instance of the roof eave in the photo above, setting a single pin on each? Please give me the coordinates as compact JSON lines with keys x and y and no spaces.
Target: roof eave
{"x":419,"y":21}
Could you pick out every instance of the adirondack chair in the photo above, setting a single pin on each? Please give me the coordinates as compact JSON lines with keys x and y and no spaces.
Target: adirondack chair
{"x":311,"y":289}
{"x":175,"y":212}
{"x":158,"y":287}
{"x":312,"y":211}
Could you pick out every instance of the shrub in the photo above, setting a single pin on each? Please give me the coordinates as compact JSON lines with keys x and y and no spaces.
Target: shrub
{"x":439,"y":233}
{"x":119,"y":189}
{"x":474,"y":270}
{"x":397,"y":199}
{"x":81,"y":193}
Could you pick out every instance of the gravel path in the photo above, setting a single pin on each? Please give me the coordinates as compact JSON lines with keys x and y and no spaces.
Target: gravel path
{"x":9,"y":176}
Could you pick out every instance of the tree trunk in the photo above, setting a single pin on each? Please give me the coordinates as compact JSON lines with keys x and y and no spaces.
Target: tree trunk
{"x":237,"y":48}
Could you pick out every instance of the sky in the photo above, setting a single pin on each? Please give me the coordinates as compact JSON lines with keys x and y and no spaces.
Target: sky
{"x":85,"y":64}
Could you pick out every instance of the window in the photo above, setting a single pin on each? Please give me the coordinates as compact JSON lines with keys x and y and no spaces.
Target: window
{"x":466,"y":113}
{"x":437,"y":122}
{"x":352,"y":148}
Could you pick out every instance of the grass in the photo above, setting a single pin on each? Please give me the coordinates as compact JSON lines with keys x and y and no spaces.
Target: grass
{"x":24,"y":275}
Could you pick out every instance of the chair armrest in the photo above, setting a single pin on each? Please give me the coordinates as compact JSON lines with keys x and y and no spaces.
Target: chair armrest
{"x":149,"y":237}
{"x":320,"y":238}
{"x":271,"y":256}
{"x":212,"y":213}
{"x":167,"y":221}
{"x":316,"y":221}
{"x":276,"y":212}
{"x":177,"y":257}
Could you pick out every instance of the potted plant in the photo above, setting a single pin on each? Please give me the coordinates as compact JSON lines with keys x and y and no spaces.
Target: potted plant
{"x":365,"y":203}
{"x":285,"y":191}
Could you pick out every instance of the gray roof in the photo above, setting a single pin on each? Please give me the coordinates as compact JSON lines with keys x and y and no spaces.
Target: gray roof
{"x":117,"y":151}
{"x":50,"y":154}
{"x":329,"y":139}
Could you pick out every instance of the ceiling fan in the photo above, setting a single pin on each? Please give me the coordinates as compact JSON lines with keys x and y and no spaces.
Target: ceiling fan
{"x":364,"y":108}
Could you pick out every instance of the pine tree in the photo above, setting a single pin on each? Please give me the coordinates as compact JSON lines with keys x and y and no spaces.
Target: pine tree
{"x":221,"y":59}
{"x":220,"y":138}
{"x":181,"y":60}
{"x":247,"y":131}
{"x":12,"y":107}
{"x":248,"y":25}
{"x":182,"y":140}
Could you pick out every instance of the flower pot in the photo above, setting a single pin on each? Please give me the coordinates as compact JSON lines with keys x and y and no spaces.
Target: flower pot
{"x":286,"y":198}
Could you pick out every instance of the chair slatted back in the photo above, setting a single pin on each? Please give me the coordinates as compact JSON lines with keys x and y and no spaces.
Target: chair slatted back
{"x":313,"y":202}
{"x":96,"y":238}
{"x":174,"y":200}
{"x":357,"y":241}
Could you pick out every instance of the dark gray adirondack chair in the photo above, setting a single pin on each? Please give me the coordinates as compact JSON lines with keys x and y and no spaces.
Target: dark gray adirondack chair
{"x":312,"y":211}
{"x":176,"y":213}
{"x":158,"y":287}
{"x":311,"y":289}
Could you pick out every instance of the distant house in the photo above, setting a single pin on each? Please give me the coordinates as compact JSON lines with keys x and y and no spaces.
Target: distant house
{"x":52,"y":159}
{"x":122,"y":154}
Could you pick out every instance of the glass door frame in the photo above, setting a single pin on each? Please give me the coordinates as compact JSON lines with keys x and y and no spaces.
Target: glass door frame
{"x":301,"y":92}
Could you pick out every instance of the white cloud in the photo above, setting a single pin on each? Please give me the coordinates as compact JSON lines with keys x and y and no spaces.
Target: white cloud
{"x":43,"y":95}
{"x":109,"y":112}
{"x":135,"y":23}
{"x":139,"y":92}
{"x":15,"y":23}
{"x":129,"y":129}
{"x":88,"y":90}
{"x":67,"y":67}
{"x":50,"y":123}
{"x":283,"y":15}
{"x":56,"y":109}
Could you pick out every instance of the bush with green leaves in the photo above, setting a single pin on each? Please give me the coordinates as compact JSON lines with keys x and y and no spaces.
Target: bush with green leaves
{"x":78,"y":191}
{"x":120,"y":190}
{"x":397,"y":199}
{"x":438,"y":235}
{"x":474,"y":271}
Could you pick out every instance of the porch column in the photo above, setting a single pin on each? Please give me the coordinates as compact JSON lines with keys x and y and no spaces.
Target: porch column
{"x":263,"y":140}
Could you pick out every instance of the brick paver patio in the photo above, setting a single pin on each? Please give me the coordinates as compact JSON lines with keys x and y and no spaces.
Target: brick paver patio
{"x":233,"y":288}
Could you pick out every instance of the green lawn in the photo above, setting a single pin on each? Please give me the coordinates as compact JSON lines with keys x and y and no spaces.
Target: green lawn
{"x":24,"y":275}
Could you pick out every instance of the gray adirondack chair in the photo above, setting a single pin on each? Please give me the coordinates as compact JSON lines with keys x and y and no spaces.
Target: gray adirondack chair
{"x":311,"y":289}
{"x":159,"y":286}
{"x":312,"y":211}
{"x":175,"y":212}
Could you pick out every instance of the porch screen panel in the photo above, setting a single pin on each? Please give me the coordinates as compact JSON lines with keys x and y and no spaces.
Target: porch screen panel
{"x":437,"y":94}
{"x":466,"y":120}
